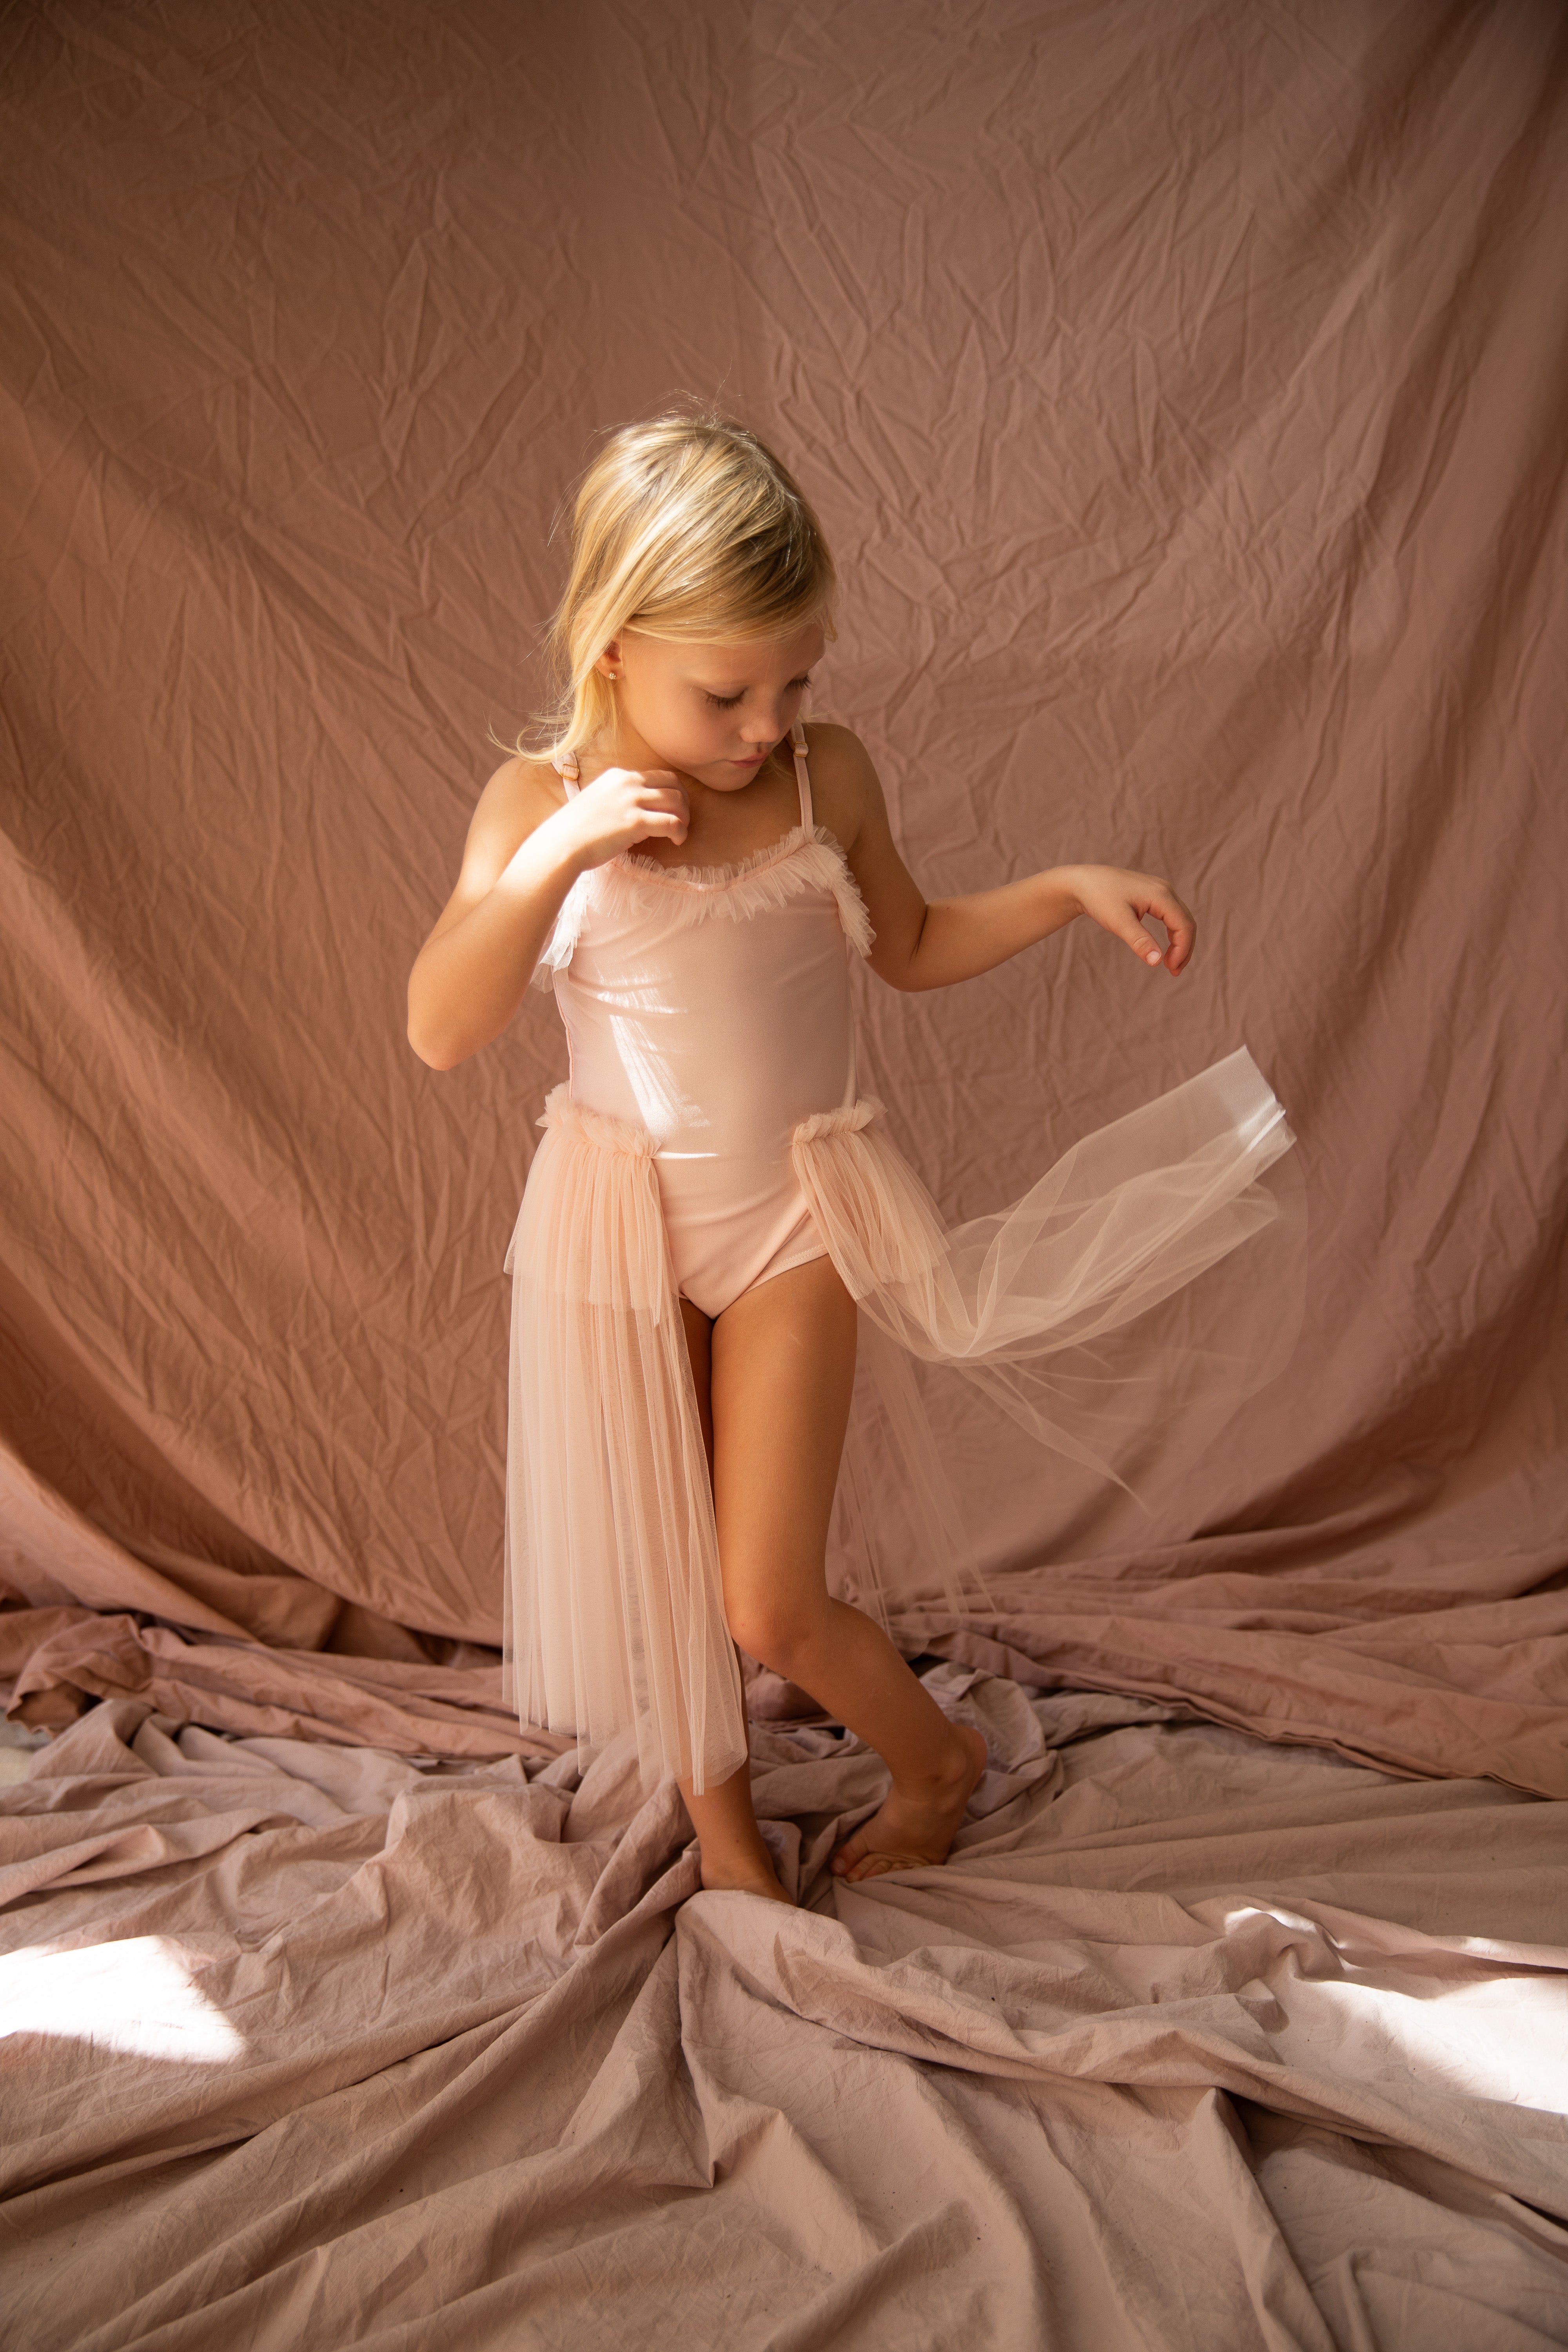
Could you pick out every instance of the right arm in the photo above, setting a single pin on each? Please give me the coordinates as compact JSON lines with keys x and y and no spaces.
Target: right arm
{"x":525,"y":849}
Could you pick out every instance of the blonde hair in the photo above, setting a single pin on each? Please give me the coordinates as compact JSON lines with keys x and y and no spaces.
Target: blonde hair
{"x":685,"y":527}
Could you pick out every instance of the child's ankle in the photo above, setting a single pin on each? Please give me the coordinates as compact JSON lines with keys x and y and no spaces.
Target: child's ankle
{"x":956,"y":1762}
{"x":734,"y":1855}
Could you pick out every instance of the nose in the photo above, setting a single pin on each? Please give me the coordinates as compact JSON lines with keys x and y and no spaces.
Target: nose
{"x":762,"y":728}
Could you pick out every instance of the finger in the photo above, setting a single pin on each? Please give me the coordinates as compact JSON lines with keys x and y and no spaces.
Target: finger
{"x":1180,"y":925}
{"x":1184,"y":936}
{"x":1144,"y":947}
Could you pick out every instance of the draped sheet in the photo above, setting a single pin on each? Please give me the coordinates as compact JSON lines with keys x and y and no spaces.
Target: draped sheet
{"x":1182,"y":388}
{"x":1197,"y":2042}
{"x":1182,"y":393}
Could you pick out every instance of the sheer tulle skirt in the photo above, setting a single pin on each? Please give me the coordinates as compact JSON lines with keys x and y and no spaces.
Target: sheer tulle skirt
{"x":1129,"y":1302}
{"x":614,"y":1612}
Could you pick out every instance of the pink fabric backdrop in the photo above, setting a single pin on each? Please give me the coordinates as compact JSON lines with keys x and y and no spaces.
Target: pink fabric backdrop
{"x":1181,"y":387}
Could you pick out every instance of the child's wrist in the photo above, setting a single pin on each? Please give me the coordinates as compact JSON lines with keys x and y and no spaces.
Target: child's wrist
{"x":1065,"y":884}
{"x":548,"y":860}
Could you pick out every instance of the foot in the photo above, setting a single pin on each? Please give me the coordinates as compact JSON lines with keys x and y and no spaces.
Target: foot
{"x":737,"y":1876}
{"x":912,"y":1832}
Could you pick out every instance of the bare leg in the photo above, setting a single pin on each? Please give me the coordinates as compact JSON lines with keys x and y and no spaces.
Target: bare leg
{"x":783,"y":1365}
{"x":733,"y":1855}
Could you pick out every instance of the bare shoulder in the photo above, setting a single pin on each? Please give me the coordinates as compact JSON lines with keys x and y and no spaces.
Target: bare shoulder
{"x":844,"y":790}
{"x":515,"y":802}
{"x":519,"y":796}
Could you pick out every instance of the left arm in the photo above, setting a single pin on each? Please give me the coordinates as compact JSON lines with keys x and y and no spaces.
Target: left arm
{"x":930,"y":943}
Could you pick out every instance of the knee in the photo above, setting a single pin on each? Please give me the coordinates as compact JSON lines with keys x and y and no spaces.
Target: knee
{"x":777,"y":1633}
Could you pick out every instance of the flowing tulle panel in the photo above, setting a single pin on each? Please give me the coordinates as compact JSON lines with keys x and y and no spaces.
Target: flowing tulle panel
{"x":614,"y":1608}
{"x":1054,"y":1306}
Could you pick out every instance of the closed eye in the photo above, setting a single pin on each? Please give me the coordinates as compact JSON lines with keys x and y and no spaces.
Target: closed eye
{"x":727,"y":701}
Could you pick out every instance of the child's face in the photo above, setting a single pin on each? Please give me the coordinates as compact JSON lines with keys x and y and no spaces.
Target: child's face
{"x":713,"y":712}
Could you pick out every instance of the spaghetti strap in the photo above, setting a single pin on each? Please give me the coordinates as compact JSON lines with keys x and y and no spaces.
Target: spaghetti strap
{"x":802,"y":774}
{"x":565,"y":766}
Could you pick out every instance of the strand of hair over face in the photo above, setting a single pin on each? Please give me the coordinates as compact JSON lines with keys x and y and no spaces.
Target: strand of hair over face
{"x":685,"y":527}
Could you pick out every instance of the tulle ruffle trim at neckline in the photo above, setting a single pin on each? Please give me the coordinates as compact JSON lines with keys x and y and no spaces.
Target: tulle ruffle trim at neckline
{"x":721,"y":878}
{"x":803,"y":860}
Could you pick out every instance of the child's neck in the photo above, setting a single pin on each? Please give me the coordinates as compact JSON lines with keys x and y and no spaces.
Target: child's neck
{"x":627,"y":749}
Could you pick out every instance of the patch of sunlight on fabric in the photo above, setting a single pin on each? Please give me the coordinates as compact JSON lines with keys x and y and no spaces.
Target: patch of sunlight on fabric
{"x":1506,"y":2039}
{"x":136,"y":1997}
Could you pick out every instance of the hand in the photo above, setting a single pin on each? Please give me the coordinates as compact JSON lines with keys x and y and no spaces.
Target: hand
{"x":1118,"y":902}
{"x":625,"y":805}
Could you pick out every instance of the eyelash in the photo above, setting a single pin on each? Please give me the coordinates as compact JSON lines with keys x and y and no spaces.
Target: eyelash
{"x":727,"y":701}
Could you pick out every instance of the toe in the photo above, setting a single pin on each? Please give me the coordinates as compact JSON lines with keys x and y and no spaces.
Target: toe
{"x":878,"y":1865}
{"x":853,"y":1849}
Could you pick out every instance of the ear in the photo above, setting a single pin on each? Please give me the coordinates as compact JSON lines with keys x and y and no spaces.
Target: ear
{"x":609,"y":661}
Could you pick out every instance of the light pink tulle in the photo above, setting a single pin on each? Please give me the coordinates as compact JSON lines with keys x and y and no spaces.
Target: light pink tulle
{"x":1113,"y":1301}
{"x":1112,"y":1312}
{"x":614,"y":1611}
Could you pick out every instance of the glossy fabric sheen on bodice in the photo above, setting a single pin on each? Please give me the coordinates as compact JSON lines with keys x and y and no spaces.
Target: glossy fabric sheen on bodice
{"x":718,"y":1028}
{"x":719,"y":1036}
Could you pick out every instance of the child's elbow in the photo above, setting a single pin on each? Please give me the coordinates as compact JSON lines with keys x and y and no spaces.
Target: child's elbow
{"x":898,"y":970}
{"x":435,"y":1044}
{"x":895,"y":957}
{"x":434,"y":1053}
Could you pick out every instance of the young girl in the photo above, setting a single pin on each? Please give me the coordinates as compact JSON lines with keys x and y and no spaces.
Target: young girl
{"x":714,"y":1210}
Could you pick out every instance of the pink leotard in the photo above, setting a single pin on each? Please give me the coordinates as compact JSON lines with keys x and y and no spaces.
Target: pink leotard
{"x":711,"y":1005}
